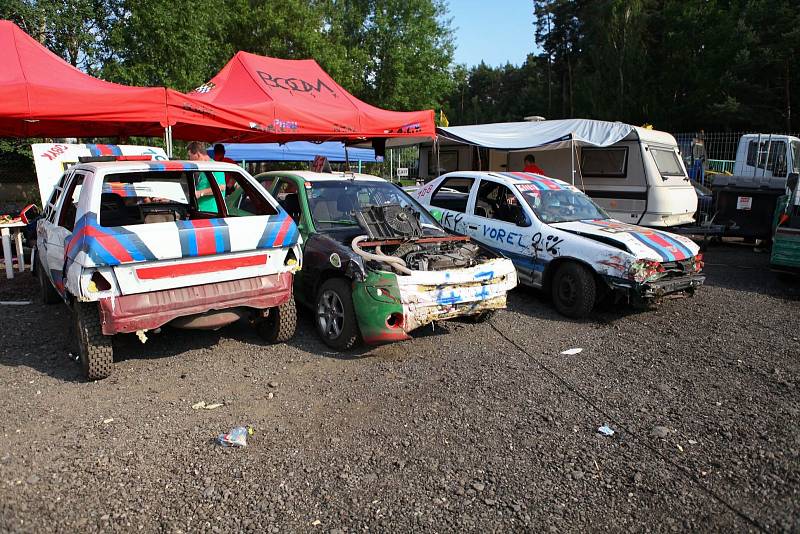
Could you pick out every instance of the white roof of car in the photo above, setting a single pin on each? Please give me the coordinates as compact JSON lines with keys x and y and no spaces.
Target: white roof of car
{"x":156,"y":166}
{"x":311,"y":176}
{"x":509,"y":178}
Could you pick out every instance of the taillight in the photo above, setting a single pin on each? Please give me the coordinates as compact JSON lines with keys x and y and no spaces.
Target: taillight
{"x":99,"y":281}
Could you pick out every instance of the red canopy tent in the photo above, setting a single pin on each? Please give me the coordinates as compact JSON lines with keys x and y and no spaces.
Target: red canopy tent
{"x":41,"y":95}
{"x":263,"y":99}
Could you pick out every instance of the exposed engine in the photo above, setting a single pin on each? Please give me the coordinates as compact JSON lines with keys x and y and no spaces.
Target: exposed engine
{"x":395,"y":240}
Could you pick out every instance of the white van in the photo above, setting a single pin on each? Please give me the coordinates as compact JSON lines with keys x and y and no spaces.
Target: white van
{"x":635,"y":174}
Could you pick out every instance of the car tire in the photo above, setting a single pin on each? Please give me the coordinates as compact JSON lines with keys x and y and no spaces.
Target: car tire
{"x":334,"y":314}
{"x":280,"y":325}
{"x":47,"y":292}
{"x":574,"y":290}
{"x":95,"y":350}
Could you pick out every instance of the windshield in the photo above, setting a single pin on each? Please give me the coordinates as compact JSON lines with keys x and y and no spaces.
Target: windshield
{"x":333,"y":205}
{"x":560,"y":205}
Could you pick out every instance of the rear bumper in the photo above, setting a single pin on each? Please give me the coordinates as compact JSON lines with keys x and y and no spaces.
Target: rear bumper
{"x":145,"y":311}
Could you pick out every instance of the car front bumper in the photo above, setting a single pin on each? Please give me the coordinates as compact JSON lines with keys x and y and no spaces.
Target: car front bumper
{"x":389,"y":306}
{"x":659,"y":288}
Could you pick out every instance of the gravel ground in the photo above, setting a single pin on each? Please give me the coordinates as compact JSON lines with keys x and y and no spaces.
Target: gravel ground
{"x":466,"y":427}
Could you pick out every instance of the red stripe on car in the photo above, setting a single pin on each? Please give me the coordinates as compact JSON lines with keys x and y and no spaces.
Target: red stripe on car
{"x":204,"y":234}
{"x":199,"y":267}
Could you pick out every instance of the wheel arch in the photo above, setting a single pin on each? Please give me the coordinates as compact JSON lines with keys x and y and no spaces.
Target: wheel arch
{"x":554,"y":265}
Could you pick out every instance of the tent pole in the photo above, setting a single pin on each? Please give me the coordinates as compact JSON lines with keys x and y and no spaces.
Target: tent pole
{"x":346,"y":160}
{"x":391,"y":165}
{"x":572,"y":157}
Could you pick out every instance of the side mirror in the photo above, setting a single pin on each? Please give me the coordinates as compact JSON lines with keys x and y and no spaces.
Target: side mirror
{"x":791,"y":181}
{"x":522,"y":220}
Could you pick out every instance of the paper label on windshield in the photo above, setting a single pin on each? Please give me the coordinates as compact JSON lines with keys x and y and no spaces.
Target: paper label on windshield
{"x":529,"y":188}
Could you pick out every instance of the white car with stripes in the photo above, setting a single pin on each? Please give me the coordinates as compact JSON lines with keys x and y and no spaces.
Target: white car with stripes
{"x":134,"y":245}
{"x":561,"y":241}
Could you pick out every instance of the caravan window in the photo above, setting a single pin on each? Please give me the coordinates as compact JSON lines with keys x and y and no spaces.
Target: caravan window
{"x":447,"y":162}
{"x":604,"y":162}
{"x":667,"y":162}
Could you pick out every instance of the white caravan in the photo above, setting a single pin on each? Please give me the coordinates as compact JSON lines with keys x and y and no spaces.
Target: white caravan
{"x":635,"y":174}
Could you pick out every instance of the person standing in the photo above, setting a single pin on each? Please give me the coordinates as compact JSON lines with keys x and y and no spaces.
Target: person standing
{"x":206,"y":201}
{"x":531,"y":166}
{"x":219,"y":155}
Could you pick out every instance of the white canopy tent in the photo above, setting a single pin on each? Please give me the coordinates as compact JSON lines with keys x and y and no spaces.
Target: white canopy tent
{"x":547,"y":135}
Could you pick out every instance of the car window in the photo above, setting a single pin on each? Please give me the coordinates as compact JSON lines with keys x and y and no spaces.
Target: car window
{"x":498,"y":202}
{"x":334,"y":204}
{"x":69,"y":208}
{"x":52,"y":203}
{"x":453,"y":194}
{"x":560,"y":205}
{"x":288,"y":197}
{"x":154,"y":197}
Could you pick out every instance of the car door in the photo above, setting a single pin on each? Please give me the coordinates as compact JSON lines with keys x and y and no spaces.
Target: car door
{"x":451,"y":201}
{"x":61,"y":229}
{"x":45,"y":226}
{"x":500,"y":219}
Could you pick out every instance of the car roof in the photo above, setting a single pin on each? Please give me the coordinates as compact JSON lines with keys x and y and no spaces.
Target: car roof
{"x":508,"y":178}
{"x":105,"y":167}
{"x":311,"y":176}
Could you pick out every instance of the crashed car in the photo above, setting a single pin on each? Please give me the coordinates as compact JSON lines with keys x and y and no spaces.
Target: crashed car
{"x":132,"y":246}
{"x":560,"y":240}
{"x":376,"y":265}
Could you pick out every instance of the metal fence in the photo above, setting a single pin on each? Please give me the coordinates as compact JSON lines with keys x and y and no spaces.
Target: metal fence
{"x":716,"y":151}
{"x":708,"y":153}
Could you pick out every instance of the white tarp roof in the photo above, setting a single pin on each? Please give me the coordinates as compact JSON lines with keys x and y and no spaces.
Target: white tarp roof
{"x":530,"y":135}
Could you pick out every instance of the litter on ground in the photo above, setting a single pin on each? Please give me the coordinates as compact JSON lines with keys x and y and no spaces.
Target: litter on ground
{"x":203,"y":406}
{"x":571,"y":352}
{"x":236,"y":437}
{"x":606,"y":430}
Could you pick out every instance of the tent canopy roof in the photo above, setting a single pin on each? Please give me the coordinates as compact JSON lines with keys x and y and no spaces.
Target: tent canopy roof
{"x":295,"y":151}
{"x":43,"y":95}
{"x":547,"y":135}
{"x":268,"y":99}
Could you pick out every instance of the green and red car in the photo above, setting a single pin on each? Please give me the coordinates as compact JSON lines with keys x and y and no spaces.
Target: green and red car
{"x":376,"y":265}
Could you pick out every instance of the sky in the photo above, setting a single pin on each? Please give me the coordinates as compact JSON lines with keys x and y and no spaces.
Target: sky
{"x":495,"y":31}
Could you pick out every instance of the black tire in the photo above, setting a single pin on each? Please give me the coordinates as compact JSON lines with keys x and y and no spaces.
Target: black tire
{"x":280,"y":324}
{"x":47,"y":292}
{"x":94,"y":349}
{"x":574,"y":290}
{"x":334,"y":315}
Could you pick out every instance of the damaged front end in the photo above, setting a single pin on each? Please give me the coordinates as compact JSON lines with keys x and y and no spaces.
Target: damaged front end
{"x":413,"y":279}
{"x":653,"y":280}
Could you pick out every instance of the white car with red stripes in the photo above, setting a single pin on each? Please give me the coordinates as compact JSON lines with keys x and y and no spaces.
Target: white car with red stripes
{"x":561,"y":241}
{"x":134,"y":245}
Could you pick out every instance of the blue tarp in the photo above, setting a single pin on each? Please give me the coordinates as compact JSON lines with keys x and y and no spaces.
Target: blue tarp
{"x":294,"y":151}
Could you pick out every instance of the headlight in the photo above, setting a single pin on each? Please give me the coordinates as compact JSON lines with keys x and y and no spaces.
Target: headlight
{"x":645,"y":270}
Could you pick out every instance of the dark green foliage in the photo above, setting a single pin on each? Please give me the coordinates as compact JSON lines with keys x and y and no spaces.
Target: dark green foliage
{"x":678,"y":64}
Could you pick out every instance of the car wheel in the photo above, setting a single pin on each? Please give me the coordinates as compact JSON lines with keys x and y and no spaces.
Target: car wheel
{"x":47,"y":292}
{"x":281,"y":323}
{"x":94,"y":349}
{"x":335,"y":317}
{"x":574,"y":290}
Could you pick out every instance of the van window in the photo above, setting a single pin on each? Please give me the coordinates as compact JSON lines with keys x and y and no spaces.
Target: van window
{"x":667,"y":162}
{"x":609,"y":162}
{"x":774,"y":162}
{"x":453,"y":194}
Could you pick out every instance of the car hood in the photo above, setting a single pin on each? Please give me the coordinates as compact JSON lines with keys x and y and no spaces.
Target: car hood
{"x":642,"y":242}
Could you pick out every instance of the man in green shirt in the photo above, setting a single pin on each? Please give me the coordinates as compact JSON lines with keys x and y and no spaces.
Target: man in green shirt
{"x":205,"y":194}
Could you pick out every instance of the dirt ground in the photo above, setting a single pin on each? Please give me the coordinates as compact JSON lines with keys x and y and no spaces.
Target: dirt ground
{"x":466,"y":427}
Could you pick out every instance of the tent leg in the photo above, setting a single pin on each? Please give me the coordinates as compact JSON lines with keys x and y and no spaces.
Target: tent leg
{"x":572,"y":159}
{"x":168,"y":141}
